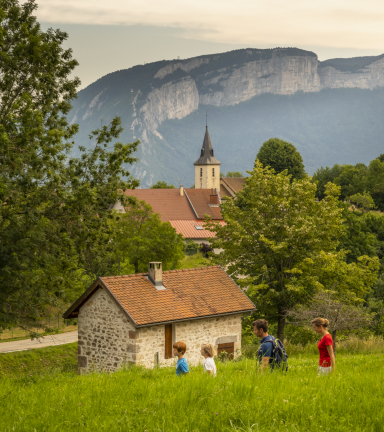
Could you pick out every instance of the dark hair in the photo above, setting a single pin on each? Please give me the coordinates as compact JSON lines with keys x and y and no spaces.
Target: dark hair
{"x":261,"y":324}
{"x":180,"y":346}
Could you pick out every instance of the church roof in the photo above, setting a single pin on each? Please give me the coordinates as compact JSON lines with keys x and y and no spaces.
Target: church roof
{"x":167,"y":202}
{"x":207,"y":157}
{"x":200,"y":203}
{"x":233,"y":184}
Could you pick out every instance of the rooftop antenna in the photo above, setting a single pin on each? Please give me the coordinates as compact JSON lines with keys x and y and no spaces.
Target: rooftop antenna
{"x":206,"y":118}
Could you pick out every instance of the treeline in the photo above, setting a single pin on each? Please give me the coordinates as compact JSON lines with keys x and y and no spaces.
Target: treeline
{"x":358,"y":183}
{"x":57,"y":229}
{"x":361,"y":189}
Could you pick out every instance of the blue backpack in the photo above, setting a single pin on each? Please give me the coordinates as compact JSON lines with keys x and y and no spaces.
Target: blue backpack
{"x":279,"y":357}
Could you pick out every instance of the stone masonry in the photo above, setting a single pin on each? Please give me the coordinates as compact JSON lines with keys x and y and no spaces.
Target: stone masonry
{"x":108,"y":339}
{"x":194,"y":333}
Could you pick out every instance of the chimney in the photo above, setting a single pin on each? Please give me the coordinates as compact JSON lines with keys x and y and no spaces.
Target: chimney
{"x":155,"y":274}
{"x":214,"y":198}
{"x":181,"y":190}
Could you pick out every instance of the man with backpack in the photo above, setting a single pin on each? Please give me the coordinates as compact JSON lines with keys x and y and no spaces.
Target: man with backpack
{"x":271,"y":351}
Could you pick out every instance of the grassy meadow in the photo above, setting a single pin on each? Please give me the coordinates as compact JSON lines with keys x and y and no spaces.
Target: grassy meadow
{"x":238,"y":399}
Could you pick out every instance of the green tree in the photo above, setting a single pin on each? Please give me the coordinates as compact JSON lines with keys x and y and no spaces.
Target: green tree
{"x":323,"y":176}
{"x":281,"y":155}
{"x":35,"y":90}
{"x":352,"y":180}
{"x":281,"y":244}
{"x":363,"y":201}
{"x":375,"y":182}
{"x":358,"y":239}
{"x":141,"y":237}
{"x":54,"y":210}
{"x":162,"y":185}
{"x":234,"y":174}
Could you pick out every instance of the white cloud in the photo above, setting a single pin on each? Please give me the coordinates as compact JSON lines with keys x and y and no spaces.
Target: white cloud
{"x":333,"y":23}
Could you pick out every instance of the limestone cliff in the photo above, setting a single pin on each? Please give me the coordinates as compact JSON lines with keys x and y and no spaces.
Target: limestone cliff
{"x":368,"y":77}
{"x":279,"y":75}
{"x":278,"y":71}
{"x":170,"y":101}
{"x":147,"y":96}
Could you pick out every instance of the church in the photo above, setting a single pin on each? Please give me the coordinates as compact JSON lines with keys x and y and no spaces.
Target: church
{"x":186,"y":208}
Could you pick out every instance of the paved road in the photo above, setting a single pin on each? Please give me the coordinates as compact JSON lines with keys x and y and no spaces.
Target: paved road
{"x":27,"y":344}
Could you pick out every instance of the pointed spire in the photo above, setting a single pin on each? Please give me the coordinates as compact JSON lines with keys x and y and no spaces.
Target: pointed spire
{"x":207,"y":156}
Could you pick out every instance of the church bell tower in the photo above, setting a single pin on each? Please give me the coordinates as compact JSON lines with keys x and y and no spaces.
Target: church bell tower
{"x":207,"y":167}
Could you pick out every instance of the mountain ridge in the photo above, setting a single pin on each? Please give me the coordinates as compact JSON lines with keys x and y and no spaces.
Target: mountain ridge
{"x":150,"y":97}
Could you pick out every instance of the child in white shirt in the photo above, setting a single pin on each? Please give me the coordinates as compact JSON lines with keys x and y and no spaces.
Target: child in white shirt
{"x":209,"y":364}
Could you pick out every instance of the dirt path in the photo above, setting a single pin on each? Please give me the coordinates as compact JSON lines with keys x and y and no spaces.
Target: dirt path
{"x":43,"y":342}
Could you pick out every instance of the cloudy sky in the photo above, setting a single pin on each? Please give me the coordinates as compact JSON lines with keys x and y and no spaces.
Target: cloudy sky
{"x":117,"y":34}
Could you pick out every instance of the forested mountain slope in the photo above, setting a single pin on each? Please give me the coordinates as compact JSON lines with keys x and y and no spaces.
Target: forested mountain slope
{"x":332,"y":111}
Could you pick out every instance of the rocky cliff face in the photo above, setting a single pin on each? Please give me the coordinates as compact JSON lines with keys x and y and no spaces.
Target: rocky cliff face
{"x":170,"y":101}
{"x":147,"y":96}
{"x":279,"y":75}
{"x":368,"y":77}
{"x":282,"y":72}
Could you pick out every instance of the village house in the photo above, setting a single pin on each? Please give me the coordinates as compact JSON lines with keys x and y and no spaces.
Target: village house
{"x":186,"y":208}
{"x":135,"y":319}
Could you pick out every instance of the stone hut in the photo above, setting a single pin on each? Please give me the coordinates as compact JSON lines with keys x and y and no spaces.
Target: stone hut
{"x":135,"y":319}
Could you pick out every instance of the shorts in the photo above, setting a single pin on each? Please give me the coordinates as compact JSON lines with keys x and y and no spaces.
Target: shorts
{"x":324,"y":370}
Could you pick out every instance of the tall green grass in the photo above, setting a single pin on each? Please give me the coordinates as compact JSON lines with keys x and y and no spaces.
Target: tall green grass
{"x":60,"y":358}
{"x":351,"y":345}
{"x":238,"y":399}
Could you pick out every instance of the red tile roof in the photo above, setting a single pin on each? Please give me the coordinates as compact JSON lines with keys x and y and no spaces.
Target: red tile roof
{"x":189,"y":294}
{"x":188,"y":229}
{"x":225,"y":191}
{"x":200,"y":199}
{"x":167,"y":202}
{"x":234,"y":184}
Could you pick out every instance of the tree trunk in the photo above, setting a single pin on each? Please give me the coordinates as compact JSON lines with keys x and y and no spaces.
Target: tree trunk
{"x":136,"y":264}
{"x":333,"y":333}
{"x":281,"y":325}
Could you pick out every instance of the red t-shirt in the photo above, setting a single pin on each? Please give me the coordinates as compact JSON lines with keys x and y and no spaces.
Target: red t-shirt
{"x":325,"y":359}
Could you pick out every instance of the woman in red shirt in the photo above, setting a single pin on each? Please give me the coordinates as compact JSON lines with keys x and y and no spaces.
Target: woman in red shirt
{"x":327,"y":356}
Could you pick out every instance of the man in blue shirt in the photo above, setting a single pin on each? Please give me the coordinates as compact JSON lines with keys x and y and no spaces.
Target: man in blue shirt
{"x":260,"y":329}
{"x":179,"y":349}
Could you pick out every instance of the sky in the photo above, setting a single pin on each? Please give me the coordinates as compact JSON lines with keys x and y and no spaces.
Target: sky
{"x":108,"y":35}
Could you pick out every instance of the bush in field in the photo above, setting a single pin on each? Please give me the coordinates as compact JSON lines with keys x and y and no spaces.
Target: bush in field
{"x":341,"y":315}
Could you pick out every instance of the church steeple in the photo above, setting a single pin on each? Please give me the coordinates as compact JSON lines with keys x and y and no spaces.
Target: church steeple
{"x":207,"y":155}
{"x":207,"y":167}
